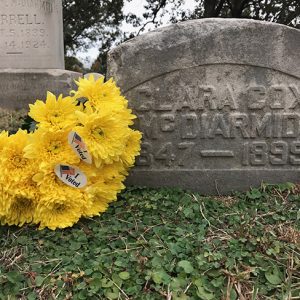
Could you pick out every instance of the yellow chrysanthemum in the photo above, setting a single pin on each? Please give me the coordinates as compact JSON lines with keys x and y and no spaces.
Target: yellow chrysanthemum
{"x":3,"y":143}
{"x":30,"y":191}
{"x":51,"y":147}
{"x":14,"y":166}
{"x":101,"y":194}
{"x":97,"y":91}
{"x":3,"y":202}
{"x":120,"y":112}
{"x":105,"y":172}
{"x":59,"y":206}
{"x":132,"y":149}
{"x":97,"y":206}
{"x":58,"y":213}
{"x":108,"y":189}
{"x":19,"y":207}
{"x":104,"y":185}
{"x":104,"y":135}
{"x":108,"y":183}
{"x":54,"y":114}
{"x":104,"y":96}
{"x":18,"y":191}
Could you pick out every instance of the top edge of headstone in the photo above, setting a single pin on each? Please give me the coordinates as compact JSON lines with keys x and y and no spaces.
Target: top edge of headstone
{"x":205,"y":42}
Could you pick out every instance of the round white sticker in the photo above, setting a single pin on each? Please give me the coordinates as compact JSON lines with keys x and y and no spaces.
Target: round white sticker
{"x":79,"y":147}
{"x":70,"y":175}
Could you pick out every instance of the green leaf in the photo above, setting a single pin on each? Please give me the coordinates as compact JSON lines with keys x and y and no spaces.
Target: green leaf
{"x":96,"y":284}
{"x":178,"y":283}
{"x":14,"y":277}
{"x":160,"y":277}
{"x":124,"y":275}
{"x":75,"y":246}
{"x":181,"y":297}
{"x":82,"y":295}
{"x":120,"y":263}
{"x":254,"y":194}
{"x":112,"y":295}
{"x":217,"y":282}
{"x":273,"y":276}
{"x":188,"y":212}
{"x":31,"y":296}
{"x":88,"y":272}
{"x":39,"y":280}
{"x":186,"y":265}
{"x":202,"y":292}
{"x":81,"y":286}
{"x":288,"y":186}
{"x":106,"y":283}
{"x":204,"y":295}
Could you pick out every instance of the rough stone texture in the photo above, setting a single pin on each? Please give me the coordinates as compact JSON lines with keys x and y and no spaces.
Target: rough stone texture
{"x":31,"y":34}
{"x":218,"y":101}
{"x":21,"y":87}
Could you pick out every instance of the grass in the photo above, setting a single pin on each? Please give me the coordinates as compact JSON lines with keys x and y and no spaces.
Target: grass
{"x":163,"y":244}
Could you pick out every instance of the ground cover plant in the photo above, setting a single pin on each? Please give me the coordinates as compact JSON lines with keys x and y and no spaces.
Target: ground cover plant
{"x":163,"y":244}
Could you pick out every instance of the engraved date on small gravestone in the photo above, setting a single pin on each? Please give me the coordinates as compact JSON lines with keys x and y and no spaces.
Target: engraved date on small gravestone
{"x":22,"y":32}
{"x":24,"y":27}
{"x":265,"y":128}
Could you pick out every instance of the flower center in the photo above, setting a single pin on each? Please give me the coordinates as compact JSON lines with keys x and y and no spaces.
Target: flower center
{"x":59,"y":208}
{"x":55,"y":117}
{"x":98,"y":133}
{"x":55,"y":147}
{"x":22,"y":205}
{"x":18,"y":161}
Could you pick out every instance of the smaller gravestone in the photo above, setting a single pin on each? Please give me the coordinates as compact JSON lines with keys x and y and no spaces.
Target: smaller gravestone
{"x":31,"y":52}
{"x":218,"y":102}
{"x":31,"y":35}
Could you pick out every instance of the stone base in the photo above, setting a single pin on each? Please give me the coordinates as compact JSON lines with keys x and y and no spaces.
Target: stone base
{"x":19,"y":87}
{"x":211,"y":182}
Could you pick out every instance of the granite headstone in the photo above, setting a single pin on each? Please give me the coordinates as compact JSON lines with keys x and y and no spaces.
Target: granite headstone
{"x":218,"y":102}
{"x":31,"y":52}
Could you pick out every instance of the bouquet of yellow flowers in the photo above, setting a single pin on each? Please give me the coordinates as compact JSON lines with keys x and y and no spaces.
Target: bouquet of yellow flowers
{"x":75,"y":161}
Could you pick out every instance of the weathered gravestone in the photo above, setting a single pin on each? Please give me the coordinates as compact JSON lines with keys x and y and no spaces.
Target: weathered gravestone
{"x":31,"y":52}
{"x":218,"y":101}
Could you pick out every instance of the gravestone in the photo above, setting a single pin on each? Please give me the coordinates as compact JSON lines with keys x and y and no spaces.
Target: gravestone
{"x":218,"y":102}
{"x":31,"y":52}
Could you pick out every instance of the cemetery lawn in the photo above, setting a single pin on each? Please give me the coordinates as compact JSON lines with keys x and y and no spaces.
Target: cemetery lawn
{"x":163,"y":244}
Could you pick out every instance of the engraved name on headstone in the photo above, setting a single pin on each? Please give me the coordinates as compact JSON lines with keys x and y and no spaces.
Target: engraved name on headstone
{"x":218,"y":102}
{"x":31,"y":34}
